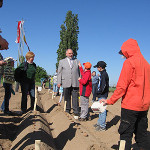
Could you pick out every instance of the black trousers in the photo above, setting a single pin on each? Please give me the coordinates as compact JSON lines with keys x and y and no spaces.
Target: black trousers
{"x":134,"y":122}
{"x":25,"y":88}
{"x":7,"y":96}
{"x":74,"y":91}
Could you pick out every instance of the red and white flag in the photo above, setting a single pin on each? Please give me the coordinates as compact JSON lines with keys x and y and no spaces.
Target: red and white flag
{"x":21,"y":34}
{"x":18,"y":31}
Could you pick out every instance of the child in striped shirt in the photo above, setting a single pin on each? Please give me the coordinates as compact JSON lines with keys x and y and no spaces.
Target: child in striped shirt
{"x":8,"y":81}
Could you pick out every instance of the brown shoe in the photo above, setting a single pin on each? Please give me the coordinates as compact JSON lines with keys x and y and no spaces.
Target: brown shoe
{"x":82,"y":119}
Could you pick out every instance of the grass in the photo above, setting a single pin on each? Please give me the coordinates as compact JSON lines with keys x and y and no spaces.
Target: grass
{"x":112,"y":89}
{"x":39,"y":84}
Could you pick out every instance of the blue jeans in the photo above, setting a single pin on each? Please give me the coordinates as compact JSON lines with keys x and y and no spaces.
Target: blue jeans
{"x":102,"y":117}
{"x":55,"y":87}
{"x":94,"y":86}
{"x":9,"y":95}
{"x":5,"y":104}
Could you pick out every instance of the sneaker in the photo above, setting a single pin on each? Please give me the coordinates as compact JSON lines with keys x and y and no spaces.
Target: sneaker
{"x":95,"y":125}
{"x":99,"y":128}
{"x":82,"y":119}
{"x":76,"y":116}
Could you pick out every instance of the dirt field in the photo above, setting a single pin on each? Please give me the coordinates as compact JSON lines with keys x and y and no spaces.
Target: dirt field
{"x":55,"y":128}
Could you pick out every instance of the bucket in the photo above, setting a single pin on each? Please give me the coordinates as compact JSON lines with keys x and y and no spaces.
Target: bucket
{"x":39,"y":88}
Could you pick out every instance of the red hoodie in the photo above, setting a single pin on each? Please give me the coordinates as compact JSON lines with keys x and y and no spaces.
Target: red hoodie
{"x":134,"y":81}
{"x":85,"y":83}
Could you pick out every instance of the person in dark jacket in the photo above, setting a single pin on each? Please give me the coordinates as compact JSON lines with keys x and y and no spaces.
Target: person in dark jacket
{"x":85,"y":89}
{"x":28,"y":81}
{"x":102,"y":93}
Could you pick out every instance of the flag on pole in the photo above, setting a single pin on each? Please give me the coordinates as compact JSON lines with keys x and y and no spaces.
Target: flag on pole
{"x":26,"y":42}
{"x":18,"y":32}
{"x":21,"y":34}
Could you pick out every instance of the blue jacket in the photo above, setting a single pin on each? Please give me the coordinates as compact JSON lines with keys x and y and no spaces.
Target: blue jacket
{"x":94,"y":79}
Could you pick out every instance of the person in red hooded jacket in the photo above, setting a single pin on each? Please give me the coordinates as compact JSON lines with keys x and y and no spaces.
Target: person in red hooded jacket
{"x":134,"y":88}
{"x":85,"y":89}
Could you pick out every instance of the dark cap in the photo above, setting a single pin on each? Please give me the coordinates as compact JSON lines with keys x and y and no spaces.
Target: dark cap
{"x":100,"y":64}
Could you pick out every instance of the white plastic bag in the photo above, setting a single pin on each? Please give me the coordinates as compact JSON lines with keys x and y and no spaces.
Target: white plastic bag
{"x":98,"y":107}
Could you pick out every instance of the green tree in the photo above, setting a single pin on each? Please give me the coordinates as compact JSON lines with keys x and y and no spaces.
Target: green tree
{"x":40,"y":73}
{"x":68,"y":36}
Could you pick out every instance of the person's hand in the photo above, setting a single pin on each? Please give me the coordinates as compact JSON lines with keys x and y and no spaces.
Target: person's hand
{"x":2,"y":63}
{"x":79,"y":64}
{"x":58,"y":85}
{"x":3,"y":43}
{"x":79,"y":78}
{"x":104,"y":101}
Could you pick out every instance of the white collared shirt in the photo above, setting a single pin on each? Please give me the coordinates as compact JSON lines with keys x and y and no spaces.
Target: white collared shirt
{"x":70,"y":61}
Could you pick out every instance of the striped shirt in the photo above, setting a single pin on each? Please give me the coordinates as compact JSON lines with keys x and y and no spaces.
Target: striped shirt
{"x":9,"y":74}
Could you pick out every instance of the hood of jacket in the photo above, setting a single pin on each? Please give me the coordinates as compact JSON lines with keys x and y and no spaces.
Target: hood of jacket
{"x":130,"y":47}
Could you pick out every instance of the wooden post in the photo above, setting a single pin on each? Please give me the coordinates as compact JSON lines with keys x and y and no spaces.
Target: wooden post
{"x":36,"y":97}
{"x":122,"y":145}
{"x":37,"y":144}
{"x":71,"y":101}
{"x":53,"y":95}
{"x":65,"y":105}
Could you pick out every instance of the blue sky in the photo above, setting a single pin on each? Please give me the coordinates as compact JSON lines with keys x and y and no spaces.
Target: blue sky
{"x":103,"y":27}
